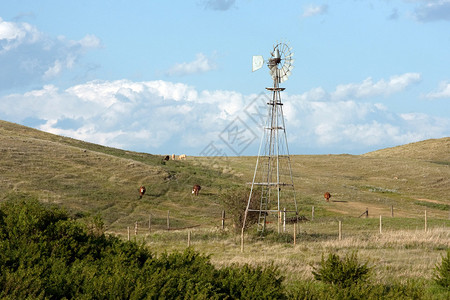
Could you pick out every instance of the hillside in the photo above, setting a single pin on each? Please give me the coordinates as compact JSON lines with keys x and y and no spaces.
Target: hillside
{"x":437,"y":150}
{"x":89,"y":179}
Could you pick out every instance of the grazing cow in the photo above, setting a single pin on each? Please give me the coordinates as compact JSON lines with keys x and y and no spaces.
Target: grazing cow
{"x":141,"y":191}
{"x":166,"y":158}
{"x":196,"y":189}
{"x":327,"y":196}
{"x":173,"y":156}
{"x":182,"y":157}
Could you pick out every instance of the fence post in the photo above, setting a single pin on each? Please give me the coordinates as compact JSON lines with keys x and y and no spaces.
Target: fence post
{"x":223,"y":219}
{"x":128,"y":229}
{"x":168,"y":220}
{"x":425,"y":220}
{"x":380,"y":224}
{"x":189,"y":238}
{"x":367,"y":212}
{"x":312,"y":214}
{"x":392,"y":211}
{"x":295,"y":232}
{"x":279,"y":221}
{"x":135,"y":228}
{"x":242,"y":240}
{"x":340,"y":230}
{"x":284,"y":219}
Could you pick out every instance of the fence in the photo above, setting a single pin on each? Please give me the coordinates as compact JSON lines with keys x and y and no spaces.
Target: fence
{"x":340,"y":229}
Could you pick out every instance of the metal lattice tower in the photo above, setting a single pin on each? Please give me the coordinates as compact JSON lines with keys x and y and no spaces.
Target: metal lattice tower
{"x":272,"y":179}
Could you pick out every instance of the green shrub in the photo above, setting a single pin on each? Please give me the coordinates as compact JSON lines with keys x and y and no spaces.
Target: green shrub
{"x":46,"y":255}
{"x":442,"y":272}
{"x":316,"y":290}
{"x":246,"y":282}
{"x":342,"y":272}
{"x":235,"y":201}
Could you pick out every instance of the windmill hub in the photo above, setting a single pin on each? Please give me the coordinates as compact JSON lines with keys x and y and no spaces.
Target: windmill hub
{"x":274,"y":61}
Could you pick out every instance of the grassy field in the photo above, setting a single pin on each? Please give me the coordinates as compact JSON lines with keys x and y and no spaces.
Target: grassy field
{"x":91,"y":180}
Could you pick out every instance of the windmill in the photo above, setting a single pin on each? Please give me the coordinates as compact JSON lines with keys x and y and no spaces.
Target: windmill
{"x":272,"y":179}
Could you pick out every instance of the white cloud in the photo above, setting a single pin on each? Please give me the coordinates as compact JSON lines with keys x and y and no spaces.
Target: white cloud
{"x":442,"y":92}
{"x":368,"y":88}
{"x":201,"y":64}
{"x":433,"y":10}
{"x":313,"y":10}
{"x":90,"y":41}
{"x":13,"y":35}
{"x":28,"y":56}
{"x":166,"y":117}
{"x":317,"y":120}
{"x":113,"y":112}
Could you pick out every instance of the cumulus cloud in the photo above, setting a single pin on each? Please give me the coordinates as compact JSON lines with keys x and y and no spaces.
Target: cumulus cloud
{"x":433,"y":10}
{"x":167,"y":117}
{"x":313,"y":10}
{"x":368,"y":88}
{"x":28,"y":56}
{"x":143,"y":116}
{"x":201,"y":64}
{"x":442,"y":92}
{"x":354,"y":127}
{"x":365,"y":89}
{"x":219,"y":4}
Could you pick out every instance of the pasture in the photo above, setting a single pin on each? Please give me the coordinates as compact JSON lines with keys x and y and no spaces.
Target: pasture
{"x":99,"y":186}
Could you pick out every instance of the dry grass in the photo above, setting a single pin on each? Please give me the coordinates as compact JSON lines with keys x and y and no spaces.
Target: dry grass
{"x":394,"y":255}
{"x":89,"y":179}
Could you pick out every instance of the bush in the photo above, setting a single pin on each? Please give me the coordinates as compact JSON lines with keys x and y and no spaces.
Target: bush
{"x":342,"y":272}
{"x":442,"y":272}
{"x":246,"y":282}
{"x":313,"y":290}
{"x":235,"y":202}
{"x":46,"y":255}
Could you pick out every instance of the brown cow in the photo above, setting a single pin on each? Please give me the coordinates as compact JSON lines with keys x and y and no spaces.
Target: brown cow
{"x":327,"y":196}
{"x":141,"y":191}
{"x":196,"y":189}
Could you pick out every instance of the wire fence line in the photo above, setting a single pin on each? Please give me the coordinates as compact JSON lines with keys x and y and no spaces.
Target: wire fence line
{"x":335,"y":226}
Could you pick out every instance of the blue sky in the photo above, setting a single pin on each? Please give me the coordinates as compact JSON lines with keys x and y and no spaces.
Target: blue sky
{"x":175,"y":76}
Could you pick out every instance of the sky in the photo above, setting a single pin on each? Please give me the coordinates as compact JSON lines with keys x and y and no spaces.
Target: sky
{"x":175,"y":77}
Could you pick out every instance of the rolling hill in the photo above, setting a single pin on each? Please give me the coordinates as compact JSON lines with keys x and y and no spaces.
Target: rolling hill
{"x":436,"y":150}
{"x":90,"y":180}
